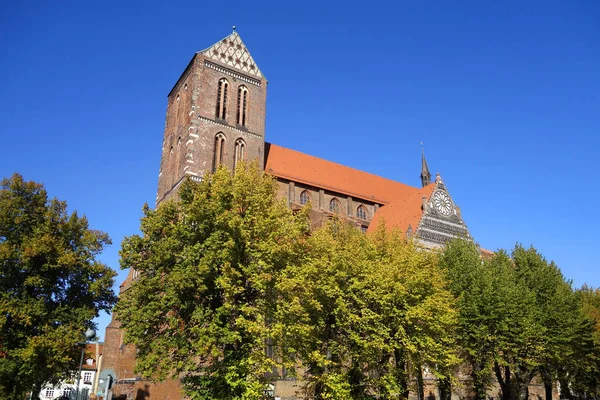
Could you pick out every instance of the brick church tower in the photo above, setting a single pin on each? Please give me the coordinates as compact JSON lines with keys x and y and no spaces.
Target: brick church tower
{"x":215,"y":115}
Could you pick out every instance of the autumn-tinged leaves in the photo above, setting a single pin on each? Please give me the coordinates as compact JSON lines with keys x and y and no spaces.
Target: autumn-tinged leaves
{"x":51,"y":286}
{"x":233,"y":291}
{"x":230,"y":270}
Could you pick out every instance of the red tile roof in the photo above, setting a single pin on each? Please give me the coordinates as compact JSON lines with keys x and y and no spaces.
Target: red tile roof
{"x":303,"y":168}
{"x":404,"y":212}
{"x":90,"y":352}
{"x":402,"y":203}
{"x":485,"y":253}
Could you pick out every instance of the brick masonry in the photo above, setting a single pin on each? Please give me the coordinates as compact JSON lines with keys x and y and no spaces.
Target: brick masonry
{"x":188,"y":148}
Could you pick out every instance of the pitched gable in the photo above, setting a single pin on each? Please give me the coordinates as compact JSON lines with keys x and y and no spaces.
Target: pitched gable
{"x":232,"y":51}
{"x":441,"y":220}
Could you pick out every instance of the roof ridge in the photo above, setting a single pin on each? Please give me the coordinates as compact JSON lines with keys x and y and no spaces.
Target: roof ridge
{"x":346,"y":166}
{"x":218,"y":41}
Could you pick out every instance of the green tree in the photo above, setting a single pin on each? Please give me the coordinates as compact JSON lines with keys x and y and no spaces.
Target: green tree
{"x":203,"y":305}
{"x":499,"y":325}
{"x":472,"y":284}
{"x":516,"y":325}
{"x":363,"y":312}
{"x":51,"y":287}
{"x":582,"y":374}
{"x":567,"y":329}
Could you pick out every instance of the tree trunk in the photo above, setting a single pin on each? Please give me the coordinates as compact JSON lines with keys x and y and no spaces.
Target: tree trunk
{"x":565,"y":391}
{"x":547,"y":379}
{"x":420,"y":388}
{"x":503,"y":380}
{"x":479,"y":383}
{"x":316,"y":372}
{"x":548,"y":389}
{"x":521,"y":379}
{"x":445,"y":388}
{"x":401,"y":375}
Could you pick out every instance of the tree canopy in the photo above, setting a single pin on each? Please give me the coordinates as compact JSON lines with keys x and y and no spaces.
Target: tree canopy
{"x":51,"y":286}
{"x":363,"y":313}
{"x":234,"y":289}
{"x":202,"y":306}
{"x":519,"y":318}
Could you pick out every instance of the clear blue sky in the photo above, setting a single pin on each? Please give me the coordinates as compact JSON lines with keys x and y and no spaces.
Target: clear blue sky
{"x":505,"y":96}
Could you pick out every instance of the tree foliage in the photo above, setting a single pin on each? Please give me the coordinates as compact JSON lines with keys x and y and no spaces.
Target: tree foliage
{"x":471,"y":283}
{"x":363,"y":312}
{"x":519,"y":317}
{"x":233,"y":291}
{"x":203,"y":304}
{"x":51,"y":286}
{"x":582,"y":374}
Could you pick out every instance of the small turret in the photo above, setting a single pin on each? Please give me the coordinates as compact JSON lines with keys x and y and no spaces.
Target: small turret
{"x":425,"y":175}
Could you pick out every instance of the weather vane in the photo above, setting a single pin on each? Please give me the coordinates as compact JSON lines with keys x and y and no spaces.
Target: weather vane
{"x":233,"y":27}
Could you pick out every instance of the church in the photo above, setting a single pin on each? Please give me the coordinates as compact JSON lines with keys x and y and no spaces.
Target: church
{"x":216,"y":116}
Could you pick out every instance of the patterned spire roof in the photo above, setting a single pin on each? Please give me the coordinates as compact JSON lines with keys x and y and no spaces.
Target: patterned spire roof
{"x":232,"y":51}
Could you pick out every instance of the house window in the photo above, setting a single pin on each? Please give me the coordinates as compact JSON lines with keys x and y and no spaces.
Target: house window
{"x":218,"y":151}
{"x":240,"y":149}
{"x":67,"y":392}
{"x":361,"y":212}
{"x":221,"y":111}
{"x":87,"y":378}
{"x":242,"y":105}
{"x":304,"y":197}
{"x":334,"y":205}
{"x":49,"y":393}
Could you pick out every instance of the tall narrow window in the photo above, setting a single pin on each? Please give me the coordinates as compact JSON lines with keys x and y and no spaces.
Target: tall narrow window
{"x":361,"y":212}
{"x":242,"y":105}
{"x":240,"y":149}
{"x":221,"y":110}
{"x":334,"y":205}
{"x":218,"y":151}
{"x":304,"y":197}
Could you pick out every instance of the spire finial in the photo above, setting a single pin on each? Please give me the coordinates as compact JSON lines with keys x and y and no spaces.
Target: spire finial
{"x":425,"y":175}
{"x":233,"y":27}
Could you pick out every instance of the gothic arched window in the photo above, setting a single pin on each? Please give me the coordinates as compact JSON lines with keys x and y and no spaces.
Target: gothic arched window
{"x":361,"y":212}
{"x":334,"y":205}
{"x":221,"y":111}
{"x":240,"y":150}
{"x":218,"y":151}
{"x":304,"y":197}
{"x":242,"y":105}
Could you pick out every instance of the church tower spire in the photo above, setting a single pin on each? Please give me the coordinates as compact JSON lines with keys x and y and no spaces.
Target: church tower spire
{"x":425,"y":175}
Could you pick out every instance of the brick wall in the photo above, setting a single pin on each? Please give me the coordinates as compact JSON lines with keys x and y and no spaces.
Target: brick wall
{"x":192,"y":124}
